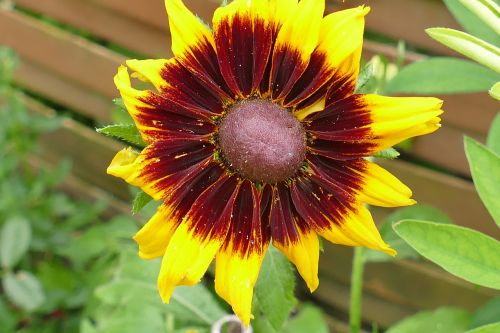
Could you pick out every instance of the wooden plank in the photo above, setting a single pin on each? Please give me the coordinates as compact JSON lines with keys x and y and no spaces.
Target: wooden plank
{"x":106,"y":23}
{"x":69,"y":56}
{"x":406,"y":19}
{"x":90,"y":152}
{"x":62,"y":91}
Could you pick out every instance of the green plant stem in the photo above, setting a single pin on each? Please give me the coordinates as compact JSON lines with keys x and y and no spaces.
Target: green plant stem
{"x":358,"y":265}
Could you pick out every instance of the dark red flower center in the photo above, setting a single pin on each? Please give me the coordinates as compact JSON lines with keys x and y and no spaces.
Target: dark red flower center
{"x":262,"y":141}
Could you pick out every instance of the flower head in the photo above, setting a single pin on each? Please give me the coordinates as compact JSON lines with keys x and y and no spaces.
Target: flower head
{"x":255,"y":135}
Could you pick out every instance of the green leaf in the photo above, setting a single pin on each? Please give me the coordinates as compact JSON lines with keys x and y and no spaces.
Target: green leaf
{"x":364,"y":78}
{"x":309,"y":319}
{"x":140,"y":200}
{"x":486,"y":10}
{"x":495,"y":91}
{"x":125,"y":132}
{"x":24,"y":290}
{"x":493,"y":141}
{"x":471,"y":22}
{"x":15,"y":239}
{"x":417,"y":212}
{"x":136,"y":282}
{"x":485,"y":169}
{"x":470,"y":46}
{"x":442,"y":75}
{"x":488,"y":313}
{"x":491,"y":328}
{"x":463,"y":252}
{"x":389,"y":154}
{"x":274,"y":296}
{"x":443,"y":320}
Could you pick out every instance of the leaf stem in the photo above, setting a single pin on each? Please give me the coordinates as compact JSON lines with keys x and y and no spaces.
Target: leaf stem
{"x":356,"y":289}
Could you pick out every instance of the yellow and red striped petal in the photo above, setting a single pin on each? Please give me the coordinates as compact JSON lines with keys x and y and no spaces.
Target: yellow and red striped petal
{"x":293,"y":236}
{"x":359,"y":180}
{"x":337,"y":219}
{"x":296,"y":40}
{"x":177,"y":110}
{"x":361,"y":125}
{"x":193,"y":45}
{"x":239,"y":260}
{"x":341,"y":38}
{"x":198,"y":238}
{"x":243,"y":37}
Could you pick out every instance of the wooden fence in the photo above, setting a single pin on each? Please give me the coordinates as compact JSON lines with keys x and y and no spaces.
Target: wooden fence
{"x":70,"y":50}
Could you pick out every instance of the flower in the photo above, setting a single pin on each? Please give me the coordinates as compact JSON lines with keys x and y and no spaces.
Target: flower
{"x":255,"y":135}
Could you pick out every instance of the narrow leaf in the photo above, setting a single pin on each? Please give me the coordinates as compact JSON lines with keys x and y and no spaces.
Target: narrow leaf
{"x":444,"y":320}
{"x":491,"y":328}
{"x":471,"y":22}
{"x":140,"y":200}
{"x":14,"y":241}
{"x":24,"y":290}
{"x":476,"y":49}
{"x":486,"y":10}
{"x":442,"y":75}
{"x":274,"y":292}
{"x":364,"y":77}
{"x":128,"y":133}
{"x":485,"y":169}
{"x":389,"y":154}
{"x":493,"y":141}
{"x":463,"y":252}
{"x":495,"y":91}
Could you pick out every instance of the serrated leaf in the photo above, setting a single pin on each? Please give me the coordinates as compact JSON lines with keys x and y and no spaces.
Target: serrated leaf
{"x":493,"y":141}
{"x":274,"y":296}
{"x":125,"y":132}
{"x":444,"y":320}
{"x":442,"y":75}
{"x":417,"y":212}
{"x":15,"y":239}
{"x":141,"y":199}
{"x":471,"y":22}
{"x":24,"y":290}
{"x":485,"y":169}
{"x":463,"y":252}
{"x":491,"y":328}
{"x":389,"y":154}
{"x":476,"y":49}
{"x":495,"y":91}
{"x":488,"y":313}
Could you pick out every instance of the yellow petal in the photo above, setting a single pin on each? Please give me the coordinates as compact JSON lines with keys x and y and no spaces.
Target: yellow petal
{"x":395,"y":119}
{"x":155,"y":235}
{"x":381,"y":188}
{"x":235,"y":278}
{"x":186,"y":260}
{"x":186,"y":29}
{"x":149,"y":71}
{"x":357,"y":229}
{"x":300,"y":30}
{"x":305,"y":255}
{"x":341,"y":37}
{"x":128,"y":165}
